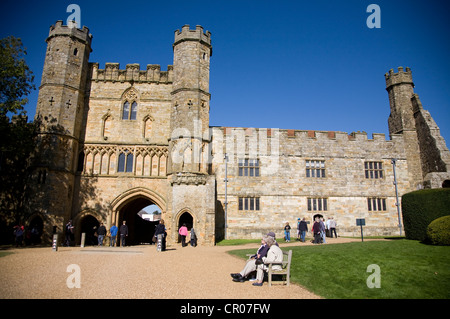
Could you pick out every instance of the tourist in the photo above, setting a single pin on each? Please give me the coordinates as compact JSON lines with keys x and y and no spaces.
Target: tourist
{"x":183,"y":231}
{"x":69,"y":233}
{"x":274,"y":256}
{"x":113,"y":233}
{"x":250,"y":266}
{"x":101,"y":232}
{"x":298,"y":228}
{"x":193,"y":238}
{"x":303,"y":228}
{"x":287,"y":233}
{"x":322,"y":230}
{"x":332,"y":227}
{"x":123,"y":233}
{"x":316,"y":231}
{"x":18,"y":233}
{"x":161,"y":230}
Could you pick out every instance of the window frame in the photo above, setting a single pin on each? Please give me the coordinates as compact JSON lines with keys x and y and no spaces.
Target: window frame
{"x":373,"y":170}
{"x":125,"y":162}
{"x":129,"y":110}
{"x":314,"y":168}
{"x":376,"y":204}
{"x":249,"y":167}
{"x":317,"y":204}
{"x":249,"y":203}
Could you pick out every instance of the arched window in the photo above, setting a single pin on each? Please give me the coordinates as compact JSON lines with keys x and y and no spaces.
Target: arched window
{"x":125,"y":163}
{"x":126,"y":110}
{"x":130,"y":100}
{"x":126,"y":113}
{"x":133,"y":111}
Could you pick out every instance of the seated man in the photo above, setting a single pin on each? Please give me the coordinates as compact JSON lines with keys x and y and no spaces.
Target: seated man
{"x":274,"y":256}
{"x":250,"y":266}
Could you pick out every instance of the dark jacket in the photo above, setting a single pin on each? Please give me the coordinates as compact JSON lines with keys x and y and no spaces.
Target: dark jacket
{"x":160,"y":229}
{"x":316,"y":227}
{"x":303,"y":226}
{"x":123,"y":230}
{"x":101,"y":230}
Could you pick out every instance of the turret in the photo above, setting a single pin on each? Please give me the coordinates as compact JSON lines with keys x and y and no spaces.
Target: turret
{"x":190,"y":101}
{"x":400,"y":88}
{"x":60,"y":109}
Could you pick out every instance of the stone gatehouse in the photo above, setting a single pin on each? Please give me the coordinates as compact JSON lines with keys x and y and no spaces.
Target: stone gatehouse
{"x":114,"y":141}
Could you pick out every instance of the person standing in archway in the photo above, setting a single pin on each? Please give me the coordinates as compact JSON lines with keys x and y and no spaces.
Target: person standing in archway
{"x":183,"y":231}
{"x":113,"y":233}
{"x":123,"y":233}
{"x":161,"y":230}
{"x":101,"y":231}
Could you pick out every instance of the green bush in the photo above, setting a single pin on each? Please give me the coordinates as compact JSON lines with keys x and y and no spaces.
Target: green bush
{"x":420,"y":208}
{"x":438,"y":232}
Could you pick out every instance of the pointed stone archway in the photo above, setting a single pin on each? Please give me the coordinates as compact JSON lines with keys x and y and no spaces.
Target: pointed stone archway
{"x":126,"y":208}
{"x":185,"y":216}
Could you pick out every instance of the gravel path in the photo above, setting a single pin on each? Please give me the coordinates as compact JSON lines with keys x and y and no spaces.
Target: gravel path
{"x":135,"y":272}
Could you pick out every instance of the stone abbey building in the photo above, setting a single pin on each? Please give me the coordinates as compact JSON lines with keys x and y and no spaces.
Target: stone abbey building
{"x":113,"y":141}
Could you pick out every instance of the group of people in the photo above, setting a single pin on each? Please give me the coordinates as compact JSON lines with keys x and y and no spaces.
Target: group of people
{"x":100,"y":233}
{"x":29,"y":235}
{"x":269,"y":252}
{"x":320,"y":229}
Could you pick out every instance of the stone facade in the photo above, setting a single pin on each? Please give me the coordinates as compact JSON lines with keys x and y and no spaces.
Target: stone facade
{"x":116,"y":140}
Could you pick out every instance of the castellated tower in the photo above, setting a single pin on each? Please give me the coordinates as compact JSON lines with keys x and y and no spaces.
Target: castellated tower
{"x":60,"y":111}
{"x":189,"y":141}
{"x":428,"y":156}
{"x":190,"y":102}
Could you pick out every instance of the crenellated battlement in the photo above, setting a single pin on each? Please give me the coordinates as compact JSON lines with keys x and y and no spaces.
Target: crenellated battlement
{"x":399,"y":77}
{"x":132,"y":72}
{"x":58,"y":29}
{"x":186,"y":34}
{"x":302,"y":135}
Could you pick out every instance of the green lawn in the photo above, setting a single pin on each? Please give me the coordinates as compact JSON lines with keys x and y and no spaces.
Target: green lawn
{"x":408,"y":269}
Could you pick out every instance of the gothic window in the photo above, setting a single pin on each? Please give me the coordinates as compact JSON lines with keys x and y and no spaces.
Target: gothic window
{"x":126,"y":110}
{"x":248,"y":167}
{"x":130,"y":105}
{"x":133,"y":111}
{"x":126,"y":113}
{"x":315,"y":169}
{"x":317,"y":204}
{"x":125,"y":163}
{"x":373,"y":170}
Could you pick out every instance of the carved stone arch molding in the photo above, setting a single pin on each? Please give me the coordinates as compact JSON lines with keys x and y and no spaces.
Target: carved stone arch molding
{"x":131,"y":95}
{"x":147,"y":126}
{"x":106,"y":126}
{"x":118,"y":203}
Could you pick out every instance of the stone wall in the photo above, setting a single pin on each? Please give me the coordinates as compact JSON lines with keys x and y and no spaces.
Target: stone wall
{"x":283,"y":187}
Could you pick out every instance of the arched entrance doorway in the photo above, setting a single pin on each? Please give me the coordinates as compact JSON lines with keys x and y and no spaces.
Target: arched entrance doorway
{"x":141,"y":226}
{"x":187,"y":219}
{"x":89,"y":225}
{"x":36,"y":228}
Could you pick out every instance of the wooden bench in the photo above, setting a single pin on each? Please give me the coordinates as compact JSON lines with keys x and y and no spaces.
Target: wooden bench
{"x":284,"y":271}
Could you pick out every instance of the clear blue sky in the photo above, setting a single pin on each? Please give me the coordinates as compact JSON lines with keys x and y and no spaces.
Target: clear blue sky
{"x":310,"y":65}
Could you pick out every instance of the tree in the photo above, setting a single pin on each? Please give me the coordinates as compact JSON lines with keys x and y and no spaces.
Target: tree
{"x":16,"y":78}
{"x":17,"y":136}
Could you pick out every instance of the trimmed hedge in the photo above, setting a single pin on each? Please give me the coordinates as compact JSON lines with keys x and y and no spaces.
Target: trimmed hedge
{"x":438,"y":232}
{"x":420,"y":208}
